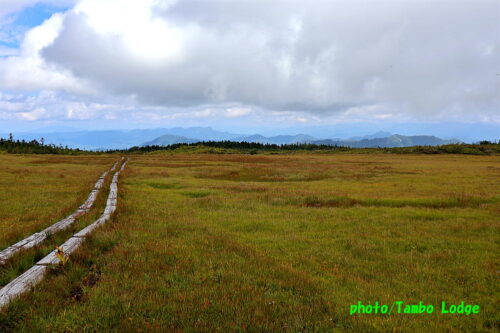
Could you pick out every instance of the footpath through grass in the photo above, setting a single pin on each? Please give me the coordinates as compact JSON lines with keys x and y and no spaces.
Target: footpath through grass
{"x":218,"y":243}
{"x":25,"y":259}
{"x":39,"y":190}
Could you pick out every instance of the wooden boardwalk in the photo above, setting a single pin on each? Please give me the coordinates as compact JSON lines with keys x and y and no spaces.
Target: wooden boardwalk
{"x":38,"y":237}
{"x":26,"y":281}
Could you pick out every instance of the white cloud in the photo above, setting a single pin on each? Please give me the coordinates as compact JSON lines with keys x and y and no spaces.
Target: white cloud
{"x":216,"y":112}
{"x":30,"y":72}
{"x":302,"y":119}
{"x":237,"y":112}
{"x":49,"y":105}
{"x":78,"y":111}
{"x":148,"y":38}
{"x":207,"y":113}
{"x":37,"y":114}
{"x":377,"y":60}
{"x":8,"y":51}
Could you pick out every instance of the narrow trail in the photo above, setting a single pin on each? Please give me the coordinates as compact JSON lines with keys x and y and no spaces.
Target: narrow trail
{"x":26,"y":281}
{"x":38,"y":237}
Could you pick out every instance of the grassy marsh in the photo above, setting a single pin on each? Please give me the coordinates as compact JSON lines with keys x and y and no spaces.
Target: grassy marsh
{"x":251,"y":243}
{"x":38,"y":190}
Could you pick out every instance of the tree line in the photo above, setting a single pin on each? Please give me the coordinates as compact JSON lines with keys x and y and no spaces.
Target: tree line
{"x":12,"y":146}
{"x":481,"y":148}
{"x":240,"y":145}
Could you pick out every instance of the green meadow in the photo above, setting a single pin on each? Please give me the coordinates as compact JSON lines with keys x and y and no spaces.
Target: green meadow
{"x":38,"y":190}
{"x":258,"y":243}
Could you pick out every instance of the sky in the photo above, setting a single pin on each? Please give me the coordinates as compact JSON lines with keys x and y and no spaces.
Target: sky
{"x":270,"y":66}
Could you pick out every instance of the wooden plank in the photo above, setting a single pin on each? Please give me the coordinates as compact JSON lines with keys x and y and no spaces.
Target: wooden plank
{"x":39,"y":237}
{"x":22,"y":284}
{"x":85,"y":232}
{"x":68,"y":248}
{"x":29,"y":279}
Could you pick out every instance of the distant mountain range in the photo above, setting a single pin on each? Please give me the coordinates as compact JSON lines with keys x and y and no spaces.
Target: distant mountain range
{"x":201,"y":133}
{"x":380,"y":139}
{"x":371,"y":136}
{"x":116,"y":139}
{"x":279,"y":139}
{"x":390,"y":141}
{"x":169,"y":139}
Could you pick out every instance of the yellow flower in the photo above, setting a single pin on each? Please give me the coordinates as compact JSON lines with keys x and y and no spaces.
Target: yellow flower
{"x":61,"y":255}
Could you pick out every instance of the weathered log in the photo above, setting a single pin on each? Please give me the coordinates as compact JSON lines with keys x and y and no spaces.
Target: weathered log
{"x":26,"y":281}
{"x":85,"y":232}
{"x":114,"y":166}
{"x":68,"y":248}
{"x":39,"y":237}
{"x":22,"y":284}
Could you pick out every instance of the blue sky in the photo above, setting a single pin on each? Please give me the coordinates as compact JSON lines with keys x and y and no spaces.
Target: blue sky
{"x":329,"y":67}
{"x":35,"y":15}
{"x":18,"y":22}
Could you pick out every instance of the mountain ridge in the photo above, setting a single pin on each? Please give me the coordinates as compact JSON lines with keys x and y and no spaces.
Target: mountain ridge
{"x":123,"y":139}
{"x":392,"y":141}
{"x":395,"y":140}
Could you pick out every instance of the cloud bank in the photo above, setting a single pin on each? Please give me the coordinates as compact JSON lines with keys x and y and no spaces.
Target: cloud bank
{"x":422,"y":60}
